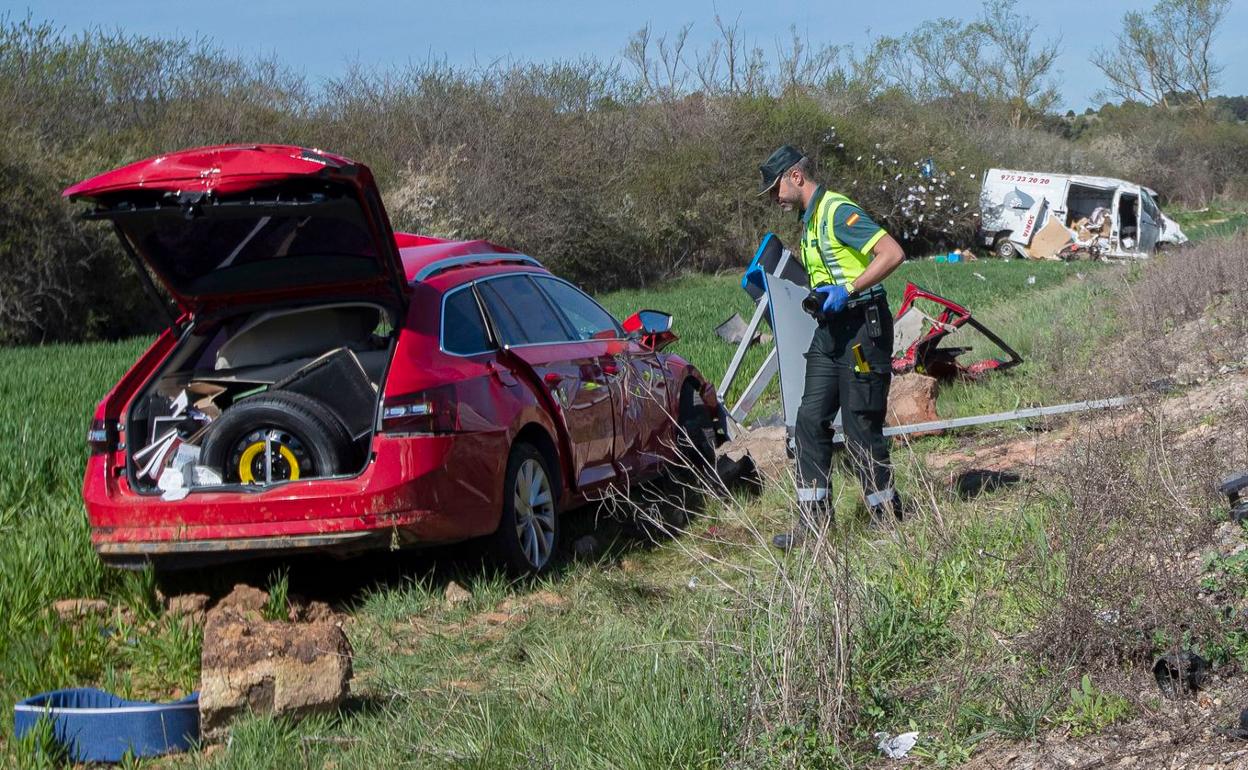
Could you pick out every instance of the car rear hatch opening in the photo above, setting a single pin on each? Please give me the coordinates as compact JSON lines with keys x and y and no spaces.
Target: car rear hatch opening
{"x":284,"y":264}
{"x":272,"y":396}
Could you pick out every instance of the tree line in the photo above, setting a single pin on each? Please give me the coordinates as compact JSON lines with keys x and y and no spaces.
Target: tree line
{"x":615,"y":171}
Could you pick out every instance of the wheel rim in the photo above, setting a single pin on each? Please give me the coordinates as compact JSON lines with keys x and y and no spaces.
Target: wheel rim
{"x":534,"y":505}
{"x":268,"y":455}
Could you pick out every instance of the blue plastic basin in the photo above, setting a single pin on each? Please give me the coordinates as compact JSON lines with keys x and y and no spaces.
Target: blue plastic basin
{"x":97,"y":726}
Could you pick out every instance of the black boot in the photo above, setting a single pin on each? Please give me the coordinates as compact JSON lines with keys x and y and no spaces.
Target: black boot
{"x":888,"y":514}
{"x":812,"y":517}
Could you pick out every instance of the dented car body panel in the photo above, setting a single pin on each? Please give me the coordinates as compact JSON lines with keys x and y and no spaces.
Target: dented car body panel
{"x":603,"y":407}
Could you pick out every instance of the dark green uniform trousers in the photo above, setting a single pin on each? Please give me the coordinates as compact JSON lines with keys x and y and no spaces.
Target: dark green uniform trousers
{"x":832,"y":383}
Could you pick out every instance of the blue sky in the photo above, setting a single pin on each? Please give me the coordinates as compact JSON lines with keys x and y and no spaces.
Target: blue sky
{"x":319,"y":38}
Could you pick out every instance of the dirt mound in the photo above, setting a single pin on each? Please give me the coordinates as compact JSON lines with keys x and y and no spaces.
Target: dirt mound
{"x":255,"y":665}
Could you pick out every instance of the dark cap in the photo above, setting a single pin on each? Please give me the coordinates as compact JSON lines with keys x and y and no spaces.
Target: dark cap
{"x":780,"y":161}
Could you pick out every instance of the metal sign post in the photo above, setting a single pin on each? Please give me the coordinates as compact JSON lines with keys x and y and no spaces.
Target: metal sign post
{"x":778,"y":284}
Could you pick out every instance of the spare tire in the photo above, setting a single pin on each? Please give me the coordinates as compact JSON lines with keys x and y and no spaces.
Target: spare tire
{"x":302,"y":437}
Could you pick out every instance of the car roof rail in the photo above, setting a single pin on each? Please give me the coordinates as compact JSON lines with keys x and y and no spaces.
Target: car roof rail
{"x":442,"y":265}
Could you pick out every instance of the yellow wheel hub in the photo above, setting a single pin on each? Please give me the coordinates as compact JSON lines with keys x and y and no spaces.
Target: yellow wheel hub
{"x":248,"y":457}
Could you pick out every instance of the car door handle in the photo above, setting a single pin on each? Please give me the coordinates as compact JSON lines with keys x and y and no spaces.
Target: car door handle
{"x":504,"y":375}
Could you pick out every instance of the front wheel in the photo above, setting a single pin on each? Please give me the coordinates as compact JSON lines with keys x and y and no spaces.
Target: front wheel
{"x":528,"y":531}
{"x":1005,"y":248}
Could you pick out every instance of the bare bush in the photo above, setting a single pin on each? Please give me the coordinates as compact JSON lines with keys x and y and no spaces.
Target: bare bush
{"x":1130,"y":518}
{"x":614,"y":173}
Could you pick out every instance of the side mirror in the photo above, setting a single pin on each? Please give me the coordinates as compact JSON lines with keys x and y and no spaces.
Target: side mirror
{"x":651,"y":328}
{"x":648,"y":322}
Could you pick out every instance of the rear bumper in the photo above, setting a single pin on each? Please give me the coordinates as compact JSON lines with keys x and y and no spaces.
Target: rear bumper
{"x":192,"y":553}
{"x":405,"y":496}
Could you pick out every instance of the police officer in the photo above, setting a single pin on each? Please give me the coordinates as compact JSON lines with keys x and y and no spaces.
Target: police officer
{"x":849,"y":364}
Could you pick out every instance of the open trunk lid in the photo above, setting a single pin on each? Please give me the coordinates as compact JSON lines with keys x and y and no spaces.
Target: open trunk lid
{"x":252,"y":224}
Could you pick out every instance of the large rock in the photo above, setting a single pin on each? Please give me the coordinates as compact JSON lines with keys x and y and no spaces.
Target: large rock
{"x":269,"y":667}
{"x":911,"y":400}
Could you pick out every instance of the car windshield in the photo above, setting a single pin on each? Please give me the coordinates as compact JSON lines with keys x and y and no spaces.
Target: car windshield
{"x":242,"y":248}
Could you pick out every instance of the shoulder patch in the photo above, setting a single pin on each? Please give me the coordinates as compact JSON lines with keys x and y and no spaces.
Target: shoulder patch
{"x":854,"y":227}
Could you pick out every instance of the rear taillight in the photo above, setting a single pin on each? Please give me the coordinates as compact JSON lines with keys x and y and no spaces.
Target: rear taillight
{"x":429,"y":411}
{"x":101,"y":437}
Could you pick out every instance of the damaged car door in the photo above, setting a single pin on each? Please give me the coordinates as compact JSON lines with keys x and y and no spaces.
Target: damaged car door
{"x":567,"y":368}
{"x":634,"y":376}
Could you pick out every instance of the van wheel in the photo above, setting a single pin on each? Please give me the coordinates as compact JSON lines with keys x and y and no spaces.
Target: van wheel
{"x":276,"y":437}
{"x":528,"y":530}
{"x":1004,"y":248}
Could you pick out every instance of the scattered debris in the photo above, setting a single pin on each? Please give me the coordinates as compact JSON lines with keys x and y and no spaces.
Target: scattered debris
{"x":738,"y":473}
{"x":585,"y":547}
{"x":72,"y":609}
{"x":96,"y":726}
{"x":976,"y":481}
{"x":895,"y":746}
{"x":1180,"y":674}
{"x":193,"y":607}
{"x":918,"y":335}
{"x":733,"y":331}
{"x":269,"y":667}
{"x":1235,"y":488}
{"x":1050,"y":240}
{"x":456,"y":594}
{"x":1239,"y":732}
{"x":300,"y":610}
{"x":765,"y":447}
{"x":243,"y":598}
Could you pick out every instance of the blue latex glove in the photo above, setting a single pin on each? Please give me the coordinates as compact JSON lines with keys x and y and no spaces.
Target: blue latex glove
{"x":834,"y":298}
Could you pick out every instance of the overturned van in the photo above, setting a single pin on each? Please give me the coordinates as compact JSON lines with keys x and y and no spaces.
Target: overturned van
{"x":1042,"y":215}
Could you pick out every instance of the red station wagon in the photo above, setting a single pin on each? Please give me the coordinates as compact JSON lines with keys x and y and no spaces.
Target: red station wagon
{"x":331,"y":385}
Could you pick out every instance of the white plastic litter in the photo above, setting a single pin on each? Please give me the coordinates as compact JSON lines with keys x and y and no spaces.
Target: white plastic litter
{"x":180,"y":403}
{"x":897,"y":746}
{"x":170,"y":479}
{"x":171,"y":482}
{"x":204,"y":476}
{"x":186,"y":455}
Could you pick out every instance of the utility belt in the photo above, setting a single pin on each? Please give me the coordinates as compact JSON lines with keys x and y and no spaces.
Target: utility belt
{"x":875,"y":294}
{"x":870,"y":306}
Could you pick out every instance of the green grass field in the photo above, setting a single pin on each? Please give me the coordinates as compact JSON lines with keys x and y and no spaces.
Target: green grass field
{"x":618,"y":653}
{"x":1213,"y":221}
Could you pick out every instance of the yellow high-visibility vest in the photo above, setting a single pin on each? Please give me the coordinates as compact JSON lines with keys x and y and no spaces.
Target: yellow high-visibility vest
{"x":826,"y":259}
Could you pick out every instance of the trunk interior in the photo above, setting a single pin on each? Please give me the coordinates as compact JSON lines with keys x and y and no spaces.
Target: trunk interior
{"x":262,"y":397}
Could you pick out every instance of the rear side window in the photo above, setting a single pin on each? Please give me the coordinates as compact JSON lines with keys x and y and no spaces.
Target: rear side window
{"x":521,"y":312}
{"x":586,"y":317}
{"x":463,"y":328}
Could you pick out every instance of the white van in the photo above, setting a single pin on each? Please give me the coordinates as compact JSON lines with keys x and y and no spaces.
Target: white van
{"x":1106,"y":217}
